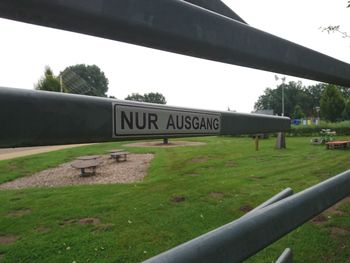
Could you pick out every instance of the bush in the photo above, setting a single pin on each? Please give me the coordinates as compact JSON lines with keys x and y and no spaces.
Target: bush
{"x":341,"y":128}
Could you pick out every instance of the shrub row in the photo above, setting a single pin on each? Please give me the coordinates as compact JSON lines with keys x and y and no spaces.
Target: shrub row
{"x":341,"y":128}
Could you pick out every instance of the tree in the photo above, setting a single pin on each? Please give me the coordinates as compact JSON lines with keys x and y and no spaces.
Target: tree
{"x":85,"y":79}
{"x":298,"y":113}
{"x":151,"y":97}
{"x":332,"y":103}
{"x":48,"y":82}
{"x":135,"y":97}
{"x":154,"y":98}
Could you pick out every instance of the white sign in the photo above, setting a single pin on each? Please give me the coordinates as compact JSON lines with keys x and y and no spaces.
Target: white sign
{"x":150,"y":120}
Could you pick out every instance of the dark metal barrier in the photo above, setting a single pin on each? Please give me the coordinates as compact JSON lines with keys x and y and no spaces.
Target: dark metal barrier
{"x":30,"y":118}
{"x":180,"y":27}
{"x":247,"y":235}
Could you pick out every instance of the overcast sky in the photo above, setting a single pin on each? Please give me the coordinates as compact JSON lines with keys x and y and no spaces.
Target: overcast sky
{"x":190,"y":82}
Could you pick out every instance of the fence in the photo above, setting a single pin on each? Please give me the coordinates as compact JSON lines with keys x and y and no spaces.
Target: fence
{"x":40,"y":118}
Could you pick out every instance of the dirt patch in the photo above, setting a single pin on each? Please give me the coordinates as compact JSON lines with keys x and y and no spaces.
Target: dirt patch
{"x":42,"y":229}
{"x":82,"y":221}
{"x":194,"y":175}
{"x":319,"y":219}
{"x":336,"y":232}
{"x":19,"y":212}
{"x":109,"y":172}
{"x":178,"y":199}
{"x":231,"y":163}
{"x":161,"y":144}
{"x":201,"y":159}
{"x":246,"y":208}
{"x":89,"y":221}
{"x":8,"y":239}
{"x":217,"y":195}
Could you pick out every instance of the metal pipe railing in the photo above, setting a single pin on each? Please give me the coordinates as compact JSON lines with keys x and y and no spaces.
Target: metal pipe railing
{"x":246,"y":236}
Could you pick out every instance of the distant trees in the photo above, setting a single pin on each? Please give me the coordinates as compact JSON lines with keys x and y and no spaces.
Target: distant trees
{"x":48,"y":82}
{"x":85,"y":79}
{"x":77,"y":79}
{"x":332,"y":103}
{"x":147,"y":97}
{"x":302,"y":101}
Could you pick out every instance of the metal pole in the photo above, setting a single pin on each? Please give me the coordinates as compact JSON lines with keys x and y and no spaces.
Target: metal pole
{"x":33,"y":118}
{"x":285,"y":257}
{"x":180,"y":27}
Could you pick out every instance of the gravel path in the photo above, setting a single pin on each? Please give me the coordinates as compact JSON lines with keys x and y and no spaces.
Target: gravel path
{"x":109,"y":172}
{"x":10,"y":153}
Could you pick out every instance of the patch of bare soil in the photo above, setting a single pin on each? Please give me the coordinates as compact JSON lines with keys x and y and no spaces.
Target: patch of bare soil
{"x":161,"y":144}
{"x":201,"y":159}
{"x":82,"y":221}
{"x":231,"y":163}
{"x":246,"y":208}
{"x":321,"y":218}
{"x":8,"y":239}
{"x":42,"y":229}
{"x":178,"y":199}
{"x":109,"y":172}
{"x":336,"y":231}
{"x":194,"y":175}
{"x":19,"y":212}
{"x":217,"y":195}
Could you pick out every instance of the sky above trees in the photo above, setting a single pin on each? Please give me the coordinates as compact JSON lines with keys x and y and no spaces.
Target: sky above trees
{"x":184,"y":81}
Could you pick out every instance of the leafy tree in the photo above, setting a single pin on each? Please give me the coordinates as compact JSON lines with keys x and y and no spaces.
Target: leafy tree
{"x":85,"y":79}
{"x":147,"y":97}
{"x":332,"y":103}
{"x":346,"y":111}
{"x":48,"y":82}
{"x":154,"y":98}
{"x":135,"y":97}
{"x":298,"y":113}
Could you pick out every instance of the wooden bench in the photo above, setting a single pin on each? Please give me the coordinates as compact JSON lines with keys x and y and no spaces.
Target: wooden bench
{"x":338,"y":145}
{"x":115,"y":150}
{"x":89,"y":164}
{"x":120,"y":156}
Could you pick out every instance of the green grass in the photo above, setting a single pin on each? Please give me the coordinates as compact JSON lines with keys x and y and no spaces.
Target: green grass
{"x":139,"y":220}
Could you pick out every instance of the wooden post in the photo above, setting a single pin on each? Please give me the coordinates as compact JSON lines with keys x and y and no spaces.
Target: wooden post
{"x":257,"y":142}
{"x":165,"y":141}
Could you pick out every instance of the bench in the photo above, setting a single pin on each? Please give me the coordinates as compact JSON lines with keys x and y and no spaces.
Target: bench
{"x":338,"y":145}
{"x":89,"y":164}
{"x":119,"y":156}
{"x":115,"y":150}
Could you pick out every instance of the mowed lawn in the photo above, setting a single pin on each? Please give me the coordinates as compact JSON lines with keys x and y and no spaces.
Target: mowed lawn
{"x":188,"y":191}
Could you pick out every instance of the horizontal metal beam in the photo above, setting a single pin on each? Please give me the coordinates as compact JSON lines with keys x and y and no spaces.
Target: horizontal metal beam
{"x":281,"y":195}
{"x":217,"y":6}
{"x":242,"y":238}
{"x":180,"y":27}
{"x":30,"y":118}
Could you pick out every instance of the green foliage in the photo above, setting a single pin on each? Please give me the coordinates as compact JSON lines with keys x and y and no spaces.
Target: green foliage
{"x":332,"y":103}
{"x":151,"y":97}
{"x":85,"y":79}
{"x":305,"y":99}
{"x":341,"y":128}
{"x":48,"y":82}
{"x":139,"y":220}
{"x":298,"y":113}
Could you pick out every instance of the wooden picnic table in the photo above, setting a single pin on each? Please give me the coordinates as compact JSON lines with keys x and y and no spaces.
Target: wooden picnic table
{"x":87,"y":164}
{"x":115,"y":150}
{"x":119,"y":156}
{"x":338,"y":144}
{"x":89,"y":157}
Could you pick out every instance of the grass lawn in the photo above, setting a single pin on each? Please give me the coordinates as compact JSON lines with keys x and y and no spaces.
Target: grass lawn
{"x":132,"y":222}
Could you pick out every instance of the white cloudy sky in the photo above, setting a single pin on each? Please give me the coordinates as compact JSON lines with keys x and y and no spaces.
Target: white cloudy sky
{"x":185,"y":81}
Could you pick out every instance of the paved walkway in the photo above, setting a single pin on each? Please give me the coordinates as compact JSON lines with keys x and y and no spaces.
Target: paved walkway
{"x":10,"y":153}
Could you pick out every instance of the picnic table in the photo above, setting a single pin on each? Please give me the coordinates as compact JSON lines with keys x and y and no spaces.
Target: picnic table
{"x":338,"y":145}
{"x":86,"y":164}
{"x":115,"y":150}
{"x":89,"y":157}
{"x":119,"y":156}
